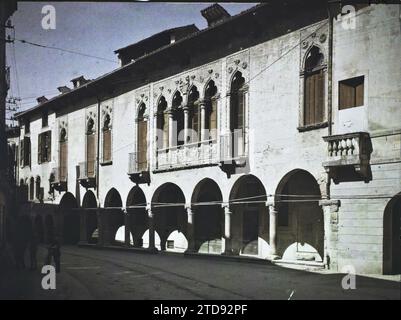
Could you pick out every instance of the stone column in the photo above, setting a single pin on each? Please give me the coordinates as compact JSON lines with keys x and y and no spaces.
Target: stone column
{"x":204,"y":136}
{"x":186,"y":123}
{"x":171,"y":133}
{"x":100,"y":240}
{"x":227,"y":230}
{"x":83,"y":237}
{"x":127,"y":229}
{"x":273,"y":231}
{"x":152,"y":246}
{"x":330,"y":212}
{"x":191,"y":229}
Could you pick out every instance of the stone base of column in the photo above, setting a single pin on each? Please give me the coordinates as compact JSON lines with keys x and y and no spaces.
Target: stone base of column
{"x":152,"y":250}
{"x":272,"y":257}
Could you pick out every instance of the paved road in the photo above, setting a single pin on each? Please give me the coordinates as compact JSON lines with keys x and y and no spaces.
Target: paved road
{"x":106,"y":274}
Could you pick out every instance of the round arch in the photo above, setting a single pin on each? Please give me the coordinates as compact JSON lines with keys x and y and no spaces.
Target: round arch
{"x":68,"y":209}
{"x":209,"y":216}
{"x":137,"y":216}
{"x":392,"y":236}
{"x":89,"y":203}
{"x":300,"y":218}
{"x":114,"y":216}
{"x":249,"y":223}
{"x":168,"y":202}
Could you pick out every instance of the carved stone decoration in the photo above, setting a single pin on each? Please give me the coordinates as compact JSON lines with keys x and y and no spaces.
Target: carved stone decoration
{"x":210,"y":71}
{"x":244,"y":65}
{"x":305,"y":44}
{"x":201,"y":79}
{"x":161,"y":88}
{"x":193,"y":77}
{"x":237,"y":61}
{"x":323,"y":38}
{"x":230,"y":70}
{"x":216,"y":75}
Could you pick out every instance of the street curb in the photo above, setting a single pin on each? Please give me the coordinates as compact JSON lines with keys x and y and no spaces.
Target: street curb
{"x":115,"y":248}
{"x":241,"y":259}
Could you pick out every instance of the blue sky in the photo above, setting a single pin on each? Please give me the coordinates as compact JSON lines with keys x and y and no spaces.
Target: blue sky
{"x":92,"y":28}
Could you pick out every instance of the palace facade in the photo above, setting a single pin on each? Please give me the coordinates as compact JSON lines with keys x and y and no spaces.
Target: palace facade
{"x":275,"y":133}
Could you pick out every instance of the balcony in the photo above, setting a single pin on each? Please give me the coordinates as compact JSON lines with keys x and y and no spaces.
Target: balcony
{"x":349,"y":157}
{"x":138,"y":171}
{"x":232,"y":151}
{"x":58,"y":179}
{"x":87,"y":174}
{"x":198,"y":154}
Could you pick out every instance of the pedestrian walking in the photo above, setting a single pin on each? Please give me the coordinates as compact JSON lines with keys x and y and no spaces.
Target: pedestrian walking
{"x":54,"y":253}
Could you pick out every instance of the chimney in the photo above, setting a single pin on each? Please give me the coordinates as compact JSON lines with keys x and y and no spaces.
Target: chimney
{"x":63,"y":89}
{"x":41,"y":99}
{"x":215,"y":14}
{"x":79,"y":81}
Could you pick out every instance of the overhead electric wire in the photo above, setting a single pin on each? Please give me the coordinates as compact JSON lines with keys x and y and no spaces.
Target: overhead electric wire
{"x":65,"y":50}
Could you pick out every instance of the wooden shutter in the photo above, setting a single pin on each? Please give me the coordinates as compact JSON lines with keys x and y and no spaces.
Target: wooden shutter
{"x":346,"y":96}
{"x":63,"y":161}
{"x":359,"y":94}
{"x":22,"y":154}
{"x":27,"y":151}
{"x":106,"y":145}
{"x":40,"y":148}
{"x":314,"y":98}
{"x":142,"y":145}
{"x":319,"y":96}
{"x":90,"y":155}
{"x":48,"y":146}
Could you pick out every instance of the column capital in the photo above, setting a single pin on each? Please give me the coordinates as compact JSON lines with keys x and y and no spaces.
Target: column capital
{"x":270,"y":201}
{"x":335,"y":204}
{"x":124,"y":210}
{"x":226,"y":207}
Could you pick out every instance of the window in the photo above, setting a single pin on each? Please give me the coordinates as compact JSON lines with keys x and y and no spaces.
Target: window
{"x":45,"y":119}
{"x":63,"y":155}
{"x":90,"y":148}
{"x":25,"y":152}
{"x":44,"y":147}
{"x":194,"y":116}
{"x":211,"y":110}
{"x":237,"y":113}
{"x":314,"y":87}
{"x":107,"y":139}
{"x":27,"y":125}
{"x":142,"y":133}
{"x":178,"y":118}
{"x":351,"y":93}
{"x":162,"y":124}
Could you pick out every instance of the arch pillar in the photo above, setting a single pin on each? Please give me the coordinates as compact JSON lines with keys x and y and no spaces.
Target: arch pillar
{"x":151,"y":222}
{"x":272,"y":229}
{"x":191,"y":229}
{"x":227,"y":230}
{"x":330,"y":212}
{"x":83,"y":237}
{"x":127,"y":228}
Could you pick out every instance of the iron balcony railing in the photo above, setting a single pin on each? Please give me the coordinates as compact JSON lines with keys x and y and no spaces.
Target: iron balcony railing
{"x":137,"y":163}
{"x":59,"y":174}
{"x":87,"y":169}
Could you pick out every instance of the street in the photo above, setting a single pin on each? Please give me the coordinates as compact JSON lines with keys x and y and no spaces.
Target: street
{"x":106,"y":274}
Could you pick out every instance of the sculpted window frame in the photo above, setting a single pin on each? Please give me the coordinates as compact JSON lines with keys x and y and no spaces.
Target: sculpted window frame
{"x":314,"y":63}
